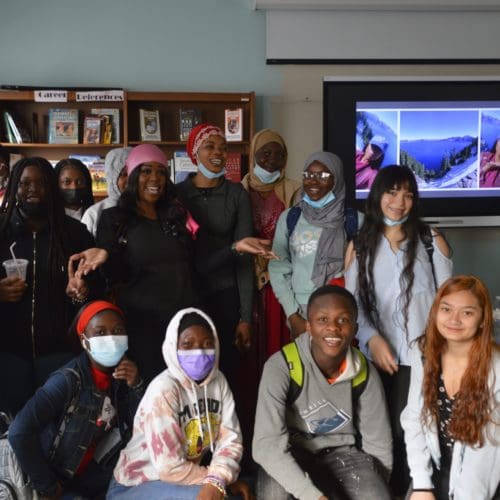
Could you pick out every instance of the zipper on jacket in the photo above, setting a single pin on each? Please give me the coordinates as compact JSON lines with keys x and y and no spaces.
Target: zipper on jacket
{"x":33,"y":345}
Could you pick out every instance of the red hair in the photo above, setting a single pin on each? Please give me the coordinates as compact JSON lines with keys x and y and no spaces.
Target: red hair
{"x":472,"y":410}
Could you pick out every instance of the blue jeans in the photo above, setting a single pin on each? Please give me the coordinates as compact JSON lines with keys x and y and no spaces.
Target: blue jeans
{"x":342,"y":473}
{"x":157,"y":490}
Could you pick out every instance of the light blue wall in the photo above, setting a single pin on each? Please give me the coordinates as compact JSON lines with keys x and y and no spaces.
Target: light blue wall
{"x":189,"y":45}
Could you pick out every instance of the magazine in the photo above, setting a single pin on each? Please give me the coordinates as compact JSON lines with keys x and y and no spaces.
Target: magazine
{"x":92,"y":129}
{"x":150,"y":125}
{"x":114,"y":119}
{"x":183,"y":166}
{"x":188,"y":119}
{"x":233,"y":124}
{"x":63,"y":126}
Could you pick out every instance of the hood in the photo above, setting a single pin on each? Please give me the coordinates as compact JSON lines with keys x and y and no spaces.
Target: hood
{"x":169,"y":348}
{"x":113,"y":165}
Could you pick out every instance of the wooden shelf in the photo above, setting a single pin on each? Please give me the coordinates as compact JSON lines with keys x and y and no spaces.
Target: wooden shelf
{"x":211,"y":106}
{"x":59,"y":146}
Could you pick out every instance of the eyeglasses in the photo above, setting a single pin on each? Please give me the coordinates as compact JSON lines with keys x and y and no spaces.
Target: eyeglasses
{"x":318,"y":176}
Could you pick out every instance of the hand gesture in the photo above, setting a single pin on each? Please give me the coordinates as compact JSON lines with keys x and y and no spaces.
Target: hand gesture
{"x":12,"y":289}
{"x":127,"y":370}
{"x":243,"y":336}
{"x":255,"y":246}
{"x":77,"y":288}
{"x":382,"y":354}
{"x":88,"y":260}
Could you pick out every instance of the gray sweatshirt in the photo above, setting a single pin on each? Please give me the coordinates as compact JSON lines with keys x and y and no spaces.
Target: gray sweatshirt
{"x":322,"y":416}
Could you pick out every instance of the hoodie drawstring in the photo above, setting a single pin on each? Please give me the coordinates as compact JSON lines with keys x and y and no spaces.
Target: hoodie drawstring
{"x":208,"y":420}
{"x":207,"y":415}
{"x":195,"y":404}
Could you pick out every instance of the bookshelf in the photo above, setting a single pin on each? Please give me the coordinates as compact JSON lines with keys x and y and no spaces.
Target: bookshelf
{"x":34,"y":116}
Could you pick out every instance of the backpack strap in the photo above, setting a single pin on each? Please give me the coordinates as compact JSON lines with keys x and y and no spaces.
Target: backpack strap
{"x":68,"y":373}
{"x":428,"y":242}
{"x":350,"y":222}
{"x":361,"y":379}
{"x":296,"y":368}
{"x":292,"y":217}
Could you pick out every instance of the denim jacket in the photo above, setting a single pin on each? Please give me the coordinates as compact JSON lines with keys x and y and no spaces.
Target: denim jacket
{"x":35,"y":427}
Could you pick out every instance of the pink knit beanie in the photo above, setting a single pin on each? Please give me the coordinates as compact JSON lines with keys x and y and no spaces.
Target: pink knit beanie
{"x":145,"y":153}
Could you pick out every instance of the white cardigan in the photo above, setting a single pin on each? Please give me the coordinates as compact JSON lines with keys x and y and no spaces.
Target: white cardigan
{"x":475,"y":472}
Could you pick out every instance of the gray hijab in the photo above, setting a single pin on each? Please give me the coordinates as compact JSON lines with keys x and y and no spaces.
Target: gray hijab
{"x":329,"y":260}
{"x":113,"y":165}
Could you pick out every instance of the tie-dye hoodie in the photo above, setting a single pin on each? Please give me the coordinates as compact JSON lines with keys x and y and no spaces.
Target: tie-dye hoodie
{"x":178,"y":421}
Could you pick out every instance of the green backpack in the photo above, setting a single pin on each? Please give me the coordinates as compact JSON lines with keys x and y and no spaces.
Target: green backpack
{"x":296,"y":368}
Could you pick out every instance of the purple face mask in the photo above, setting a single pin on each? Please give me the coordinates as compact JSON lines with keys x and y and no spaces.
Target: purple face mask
{"x":196,"y":363}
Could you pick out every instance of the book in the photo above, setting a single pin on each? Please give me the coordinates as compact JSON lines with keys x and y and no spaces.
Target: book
{"x":14,"y":131}
{"x":233,"y":167}
{"x":95,"y":164}
{"x":114,"y":116}
{"x":150,"y":125}
{"x":183,"y":166}
{"x":98,"y":175}
{"x":92,"y":129}
{"x":233,"y":124}
{"x":9,"y":133}
{"x":63,"y":126}
{"x":188,"y":119}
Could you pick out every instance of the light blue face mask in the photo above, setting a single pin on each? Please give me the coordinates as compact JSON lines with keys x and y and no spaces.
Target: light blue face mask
{"x":390,"y":223}
{"x":322,"y":202}
{"x":265,"y":176}
{"x":208,"y":173}
{"x":107,"y":350}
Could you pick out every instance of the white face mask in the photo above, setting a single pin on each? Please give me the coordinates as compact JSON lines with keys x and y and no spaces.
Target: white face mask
{"x":107,"y":350}
{"x":265,"y":176}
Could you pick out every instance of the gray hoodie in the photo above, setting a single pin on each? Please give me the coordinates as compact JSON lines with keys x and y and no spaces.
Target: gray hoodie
{"x":322,"y":416}
{"x":113,"y":165}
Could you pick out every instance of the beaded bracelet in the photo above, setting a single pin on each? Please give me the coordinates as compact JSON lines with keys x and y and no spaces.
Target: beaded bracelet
{"x":216,"y":483}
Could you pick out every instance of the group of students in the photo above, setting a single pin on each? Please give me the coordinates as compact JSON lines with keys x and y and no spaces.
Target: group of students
{"x":179,"y":259}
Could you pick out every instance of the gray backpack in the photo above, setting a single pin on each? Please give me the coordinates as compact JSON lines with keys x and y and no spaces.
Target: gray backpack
{"x":13,"y":482}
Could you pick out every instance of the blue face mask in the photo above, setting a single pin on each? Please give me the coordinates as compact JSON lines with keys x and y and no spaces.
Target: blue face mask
{"x":265,"y":176}
{"x":196,"y":363}
{"x":390,"y":223}
{"x":107,"y":350}
{"x":208,"y":173}
{"x":322,"y":202}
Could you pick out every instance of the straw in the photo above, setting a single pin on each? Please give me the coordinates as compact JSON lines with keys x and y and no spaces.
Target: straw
{"x":11,"y":249}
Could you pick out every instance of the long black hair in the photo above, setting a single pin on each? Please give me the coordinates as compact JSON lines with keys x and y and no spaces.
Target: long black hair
{"x":371,"y":233}
{"x":58,"y":253}
{"x":88,"y":196}
{"x":171,"y":212}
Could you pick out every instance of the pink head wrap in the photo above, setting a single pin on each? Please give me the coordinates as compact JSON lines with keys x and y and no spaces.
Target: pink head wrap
{"x":145,"y":153}
{"x":198,"y":135}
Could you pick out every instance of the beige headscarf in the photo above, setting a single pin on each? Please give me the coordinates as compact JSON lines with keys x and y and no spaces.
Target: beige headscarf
{"x":283,"y":187}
